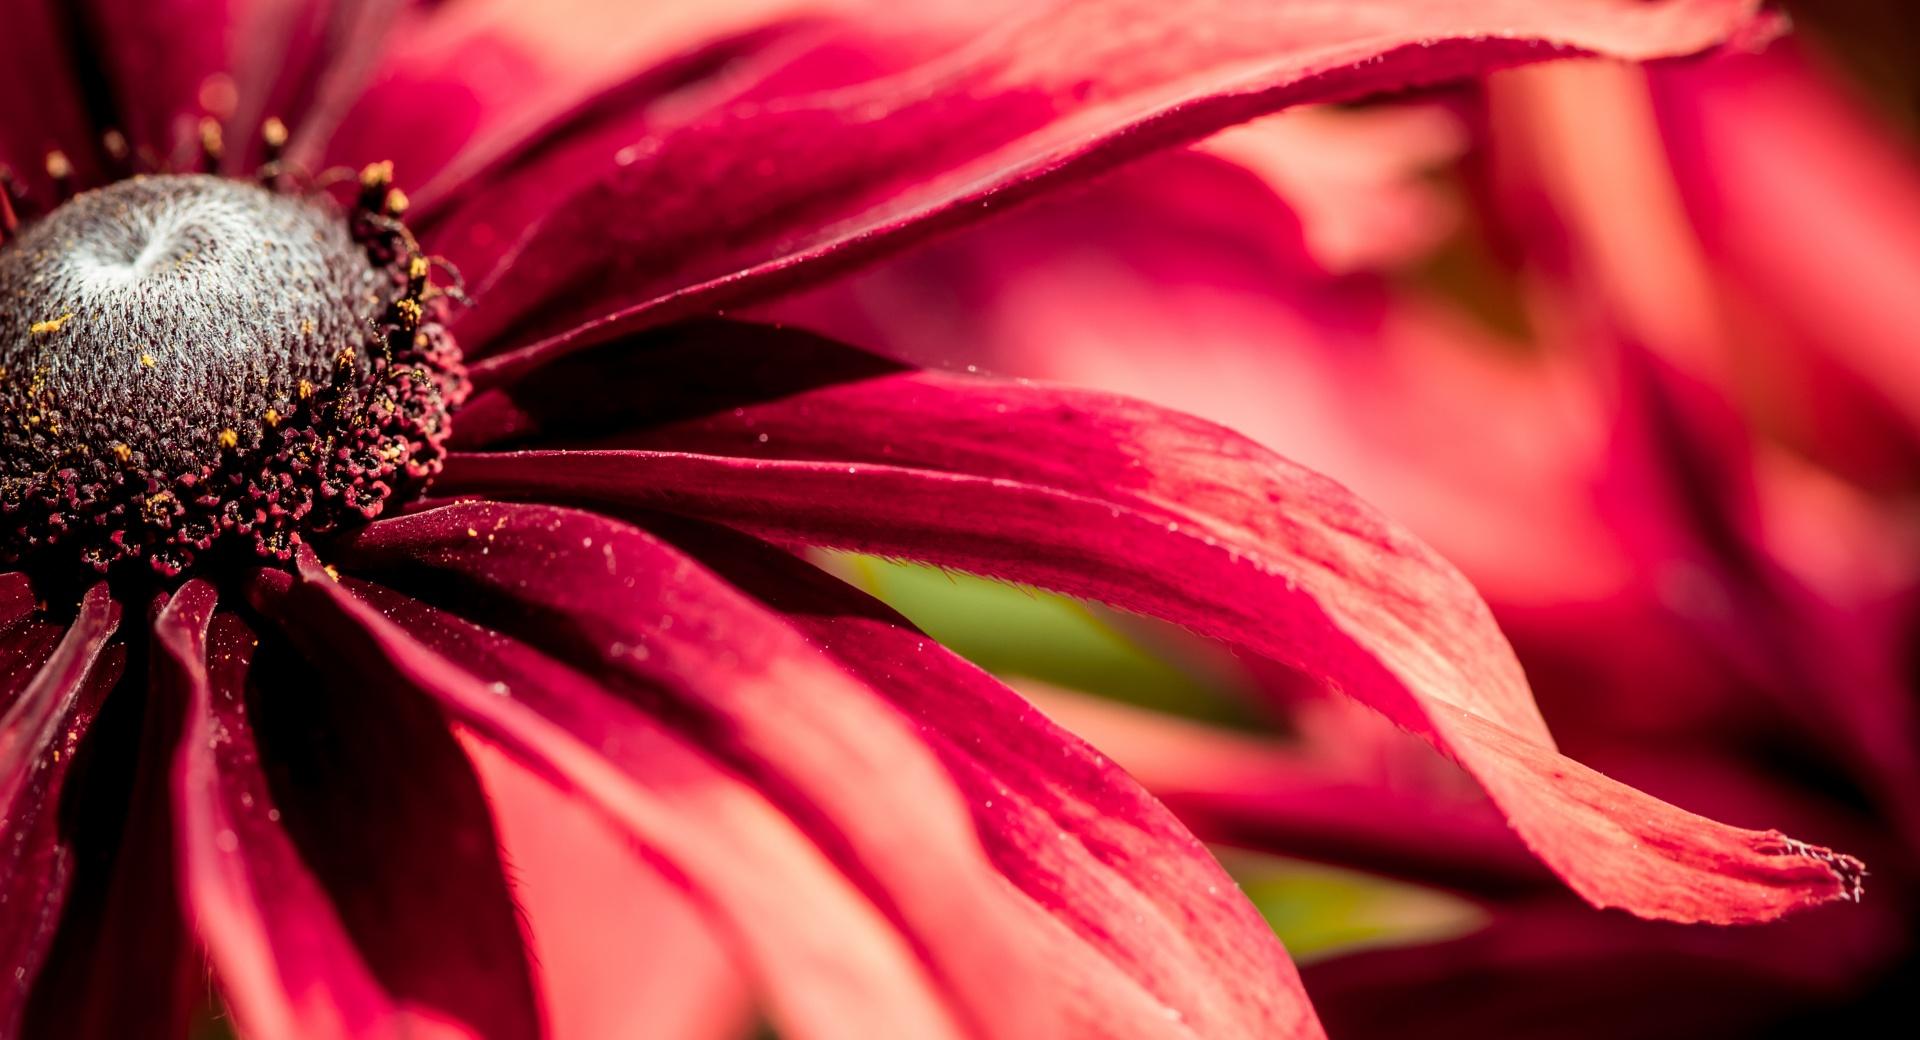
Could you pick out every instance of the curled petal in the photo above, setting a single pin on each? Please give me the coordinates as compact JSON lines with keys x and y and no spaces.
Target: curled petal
{"x":1173,"y":517}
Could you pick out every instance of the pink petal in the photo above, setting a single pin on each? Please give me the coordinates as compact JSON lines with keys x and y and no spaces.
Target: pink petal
{"x":762,"y":195}
{"x":620,"y":949}
{"x":304,"y":62}
{"x":53,"y":683}
{"x":1780,"y":167}
{"x":1021,"y":938}
{"x":333,"y":849}
{"x":1173,"y":517}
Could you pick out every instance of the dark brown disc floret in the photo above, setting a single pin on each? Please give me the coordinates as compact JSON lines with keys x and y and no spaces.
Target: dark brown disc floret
{"x":191,"y":363}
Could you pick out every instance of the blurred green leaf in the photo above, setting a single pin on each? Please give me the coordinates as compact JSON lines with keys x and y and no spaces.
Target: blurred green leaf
{"x":1017,"y":631}
{"x":1321,"y":911}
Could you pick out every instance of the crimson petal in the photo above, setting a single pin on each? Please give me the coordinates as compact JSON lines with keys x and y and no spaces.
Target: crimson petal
{"x":335,"y":848}
{"x":289,"y":964}
{"x":1003,"y":951}
{"x":122,"y":962}
{"x":47,"y":708}
{"x":1171,"y":516}
{"x":768,"y":194}
{"x":304,"y":61}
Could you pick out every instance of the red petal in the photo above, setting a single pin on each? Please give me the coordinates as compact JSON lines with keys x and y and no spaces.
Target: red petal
{"x":334,"y":849}
{"x":121,"y":963}
{"x":305,"y":62}
{"x":1024,"y":937}
{"x":1171,"y":516}
{"x":620,"y":949}
{"x":1247,"y":792}
{"x":767,"y":194}
{"x":283,"y":957}
{"x":47,"y":708}
{"x":160,"y":57}
{"x":496,"y":116}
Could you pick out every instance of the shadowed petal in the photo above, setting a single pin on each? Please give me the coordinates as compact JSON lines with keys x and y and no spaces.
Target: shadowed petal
{"x":768,"y":194}
{"x":121,"y":962}
{"x":287,"y":962}
{"x":1173,"y":517}
{"x":50,"y":695}
{"x":159,"y":59}
{"x":334,"y":849}
{"x":1545,"y":968}
{"x":1027,"y":936}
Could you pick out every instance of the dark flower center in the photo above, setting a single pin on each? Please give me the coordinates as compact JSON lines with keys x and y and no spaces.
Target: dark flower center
{"x":190,"y":362}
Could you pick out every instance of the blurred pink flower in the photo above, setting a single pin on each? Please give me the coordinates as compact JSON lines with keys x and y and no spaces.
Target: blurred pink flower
{"x":581,"y":578}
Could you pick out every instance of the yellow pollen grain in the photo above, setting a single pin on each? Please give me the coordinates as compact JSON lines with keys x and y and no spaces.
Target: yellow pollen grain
{"x":397,"y":201}
{"x":157,"y":506}
{"x":211,"y":140}
{"x":51,"y":326}
{"x":274,"y":132}
{"x":229,"y":439}
{"x":332,"y":571}
{"x":409,"y":312}
{"x":146,"y":360}
{"x":121,"y":451}
{"x":345,"y":357}
{"x":305,"y":390}
{"x":418,"y":268}
{"x":377,"y":175}
{"x":306,"y":326}
{"x":272,"y":417}
{"x":59,"y":167}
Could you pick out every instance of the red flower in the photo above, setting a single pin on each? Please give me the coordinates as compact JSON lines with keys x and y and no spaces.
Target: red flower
{"x":214,"y":386}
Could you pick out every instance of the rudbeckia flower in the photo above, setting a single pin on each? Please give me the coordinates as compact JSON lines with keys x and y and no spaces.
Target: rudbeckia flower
{"x":332,"y":511}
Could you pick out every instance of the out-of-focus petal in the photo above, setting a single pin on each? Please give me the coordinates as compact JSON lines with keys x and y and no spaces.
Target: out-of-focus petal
{"x":1240,"y":790}
{"x":476,"y":85}
{"x":1545,"y":968}
{"x":1174,"y":517}
{"x":1024,"y":936}
{"x":1783,"y":175}
{"x":53,"y":685}
{"x":619,"y":949}
{"x":336,"y":849}
{"x":39,"y":94}
{"x":304,"y":62}
{"x":1354,"y":178}
{"x":771,"y":193}
{"x":162,"y":61}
